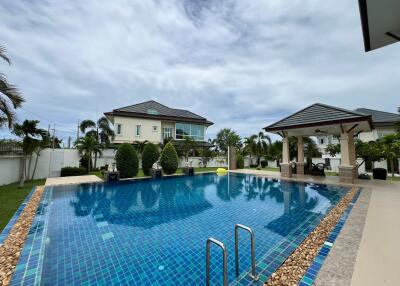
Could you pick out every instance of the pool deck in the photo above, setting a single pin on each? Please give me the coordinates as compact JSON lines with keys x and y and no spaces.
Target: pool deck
{"x":367,"y":250}
{"x":72,"y":180}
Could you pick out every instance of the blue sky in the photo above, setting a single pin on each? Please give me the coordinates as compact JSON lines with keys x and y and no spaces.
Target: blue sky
{"x":241,"y":64}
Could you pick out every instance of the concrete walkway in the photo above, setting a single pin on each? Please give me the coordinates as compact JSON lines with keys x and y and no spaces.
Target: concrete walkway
{"x":72,"y":180}
{"x":367,"y":252}
{"x":378,"y":257}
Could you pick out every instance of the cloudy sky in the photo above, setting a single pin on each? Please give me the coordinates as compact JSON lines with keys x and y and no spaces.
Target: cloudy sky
{"x":241,"y":64}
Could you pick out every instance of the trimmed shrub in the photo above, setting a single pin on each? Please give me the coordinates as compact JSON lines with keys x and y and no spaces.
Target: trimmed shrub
{"x":239,"y":162}
{"x":150,"y":155}
{"x":127,"y":161}
{"x":169,"y":159}
{"x":72,"y":171}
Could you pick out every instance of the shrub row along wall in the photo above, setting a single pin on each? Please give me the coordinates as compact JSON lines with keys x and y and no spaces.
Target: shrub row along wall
{"x":51,"y":161}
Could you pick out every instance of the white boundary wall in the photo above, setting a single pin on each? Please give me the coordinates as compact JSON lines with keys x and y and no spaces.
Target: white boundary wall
{"x":51,"y":161}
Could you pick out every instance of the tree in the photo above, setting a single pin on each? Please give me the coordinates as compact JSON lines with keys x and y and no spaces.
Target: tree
{"x":188,"y":146}
{"x":206,"y":155}
{"x":390,"y":147}
{"x":150,"y":155}
{"x":100,"y":130}
{"x":227,"y":137}
{"x":250,"y":146}
{"x":87,"y":146}
{"x":127,"y":161}
{"x":169,"y":159}
{"x":310,"y":148}
{"x":47,"y":141}
{"x":30,"y":134}
{"x":366,"y":151}
{"x":262,"y":143}
{"x":275,"y":152}
{"x":140,"y":145}
{"x":10,"y":98}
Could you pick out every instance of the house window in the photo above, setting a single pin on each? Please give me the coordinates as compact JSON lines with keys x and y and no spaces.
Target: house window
{"x":155,"y":128}
{"x":196,"y":132}
{"x":119,"y":129}
{"x":167,"y":132}
{"x":322,"y":141}
{"x":138,"y":130}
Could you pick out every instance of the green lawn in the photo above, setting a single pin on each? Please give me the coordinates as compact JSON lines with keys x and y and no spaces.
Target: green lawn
{"x":179,"y":171}
{"x":11,"y":197}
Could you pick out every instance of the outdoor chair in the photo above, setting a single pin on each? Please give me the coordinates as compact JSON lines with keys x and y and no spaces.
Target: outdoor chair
{"x":318,"y":169}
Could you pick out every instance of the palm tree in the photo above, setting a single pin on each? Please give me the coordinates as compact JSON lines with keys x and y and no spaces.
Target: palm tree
{"x":87,"y":146}
{"x":250,"y":145}
{"x":101,"y":130}
{"x":262,"y":143}
{"x":390,"y":146}
{"x":29,"y":133}
{"x":10,"y":97}
{"x":188,"y":145}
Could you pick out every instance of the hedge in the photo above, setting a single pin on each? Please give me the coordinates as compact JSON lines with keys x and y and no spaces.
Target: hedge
{"x":169,"y":159}
{"x":73,"y":171}
{"x":150,"y":155}
{"x":127,"y":161}
{"x":239,"y":162}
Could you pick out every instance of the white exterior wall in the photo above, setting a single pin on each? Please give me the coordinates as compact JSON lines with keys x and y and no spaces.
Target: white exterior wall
{"x":128,"y":130}
{"x":9,"y":169}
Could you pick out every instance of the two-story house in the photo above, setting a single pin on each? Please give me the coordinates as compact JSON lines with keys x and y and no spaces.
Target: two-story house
{"x":154,"y":122}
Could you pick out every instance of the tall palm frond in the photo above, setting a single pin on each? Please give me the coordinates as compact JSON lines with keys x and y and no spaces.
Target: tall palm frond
{"x":3,"y":55}
{"x":9,"y":96}
{"x":85,"y":124}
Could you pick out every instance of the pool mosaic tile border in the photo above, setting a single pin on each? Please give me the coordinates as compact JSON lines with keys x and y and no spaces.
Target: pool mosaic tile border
{"x":312,"y":272}
{"x":29,"y":267}
{"x":14,"y":218}
{"x":275,"y":258}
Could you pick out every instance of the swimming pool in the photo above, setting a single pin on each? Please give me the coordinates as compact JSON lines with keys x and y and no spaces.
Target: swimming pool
{"x":153,"y":232}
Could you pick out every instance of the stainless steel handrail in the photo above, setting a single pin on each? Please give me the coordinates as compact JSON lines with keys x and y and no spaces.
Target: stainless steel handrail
{"x":225,"y":258}
{"x":253,"y":274}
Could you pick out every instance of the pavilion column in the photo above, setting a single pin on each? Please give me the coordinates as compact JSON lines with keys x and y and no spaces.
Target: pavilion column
{"x":347,"y":172}
{"x":286,"y":170}
{"x":300,"y":156}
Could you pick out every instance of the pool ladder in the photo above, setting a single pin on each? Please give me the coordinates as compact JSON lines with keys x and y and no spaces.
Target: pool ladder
{"x":211,"y":240}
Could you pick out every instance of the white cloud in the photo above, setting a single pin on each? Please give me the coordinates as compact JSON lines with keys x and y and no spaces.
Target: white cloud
{"x":242,"y":64}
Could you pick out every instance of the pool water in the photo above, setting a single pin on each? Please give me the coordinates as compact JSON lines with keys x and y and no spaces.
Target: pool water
{"x":154,"y":232}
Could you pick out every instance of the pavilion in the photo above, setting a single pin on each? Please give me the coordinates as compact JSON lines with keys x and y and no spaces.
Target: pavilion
{"x":320,"y":119}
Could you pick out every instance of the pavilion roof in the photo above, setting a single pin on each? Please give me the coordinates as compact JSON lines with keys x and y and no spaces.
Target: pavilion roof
{"x":319,"y":114}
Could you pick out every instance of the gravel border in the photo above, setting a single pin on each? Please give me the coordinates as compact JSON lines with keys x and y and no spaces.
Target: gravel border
{"x":296,"y":265}
{"x":11,"y":249}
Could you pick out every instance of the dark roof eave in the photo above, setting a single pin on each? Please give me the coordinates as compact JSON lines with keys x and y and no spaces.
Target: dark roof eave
{"x":368,"y":118}
{"x":160,"y":117}
{"x":364,"y":24}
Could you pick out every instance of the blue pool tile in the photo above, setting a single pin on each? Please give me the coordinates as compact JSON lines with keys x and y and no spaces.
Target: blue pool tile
{"x":120,"y":234}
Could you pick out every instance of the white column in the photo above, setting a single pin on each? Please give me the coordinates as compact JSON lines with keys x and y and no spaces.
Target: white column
{"x":344,"y":149}
{"x":300,"y":149}
{"x":285,"y":150}
{"x":352,"y":149}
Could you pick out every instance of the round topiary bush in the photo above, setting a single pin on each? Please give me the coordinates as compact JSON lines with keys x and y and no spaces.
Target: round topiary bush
{"x":169,"y":159}
{"x":239,"y":162}
{"x":150,"y":155}
{"x":127,"y":161}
